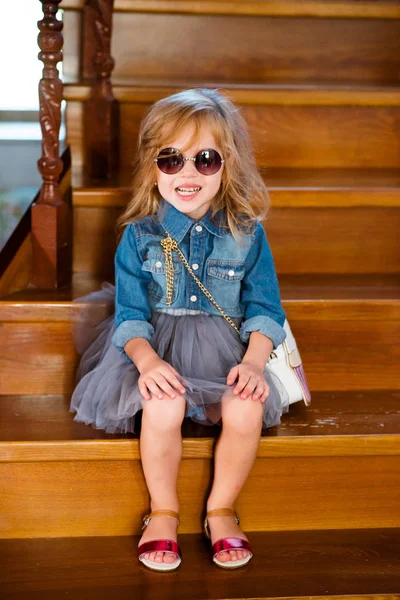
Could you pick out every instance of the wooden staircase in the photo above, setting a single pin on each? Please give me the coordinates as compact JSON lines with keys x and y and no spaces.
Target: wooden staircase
{"x":318,"y":83}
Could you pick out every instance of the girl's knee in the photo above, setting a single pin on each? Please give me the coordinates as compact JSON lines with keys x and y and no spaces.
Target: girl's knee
{"x":164,"y":414}
{"x":244,"y":416}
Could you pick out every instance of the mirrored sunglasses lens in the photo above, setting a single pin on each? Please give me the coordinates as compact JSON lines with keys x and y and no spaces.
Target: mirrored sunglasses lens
{"x":170,"y":162}
{"x":208,"y":162}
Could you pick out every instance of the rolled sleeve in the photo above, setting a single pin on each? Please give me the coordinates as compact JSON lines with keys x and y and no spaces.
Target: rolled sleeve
{"x":129,"y":330}
{"x":264,"y":325}
{"x":260,"y":296}
{"x":132,"y":309}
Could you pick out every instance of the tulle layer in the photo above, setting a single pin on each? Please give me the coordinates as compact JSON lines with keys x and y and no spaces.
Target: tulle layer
{"x":201,"y":347}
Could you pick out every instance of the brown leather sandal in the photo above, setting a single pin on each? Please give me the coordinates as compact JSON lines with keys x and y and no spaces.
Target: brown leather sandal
{"x":230,"y":543}
{"x":160,"y":545}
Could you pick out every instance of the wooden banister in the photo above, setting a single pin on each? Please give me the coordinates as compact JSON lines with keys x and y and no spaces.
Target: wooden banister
{"x":51,"y":215}
{"x":101,"y":114}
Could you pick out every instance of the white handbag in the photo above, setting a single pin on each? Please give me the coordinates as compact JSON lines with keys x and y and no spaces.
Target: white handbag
{"x":285,"y":363}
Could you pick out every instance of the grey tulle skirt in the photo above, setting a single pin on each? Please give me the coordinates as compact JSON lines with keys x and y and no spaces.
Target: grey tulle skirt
{"x":201,"y":347}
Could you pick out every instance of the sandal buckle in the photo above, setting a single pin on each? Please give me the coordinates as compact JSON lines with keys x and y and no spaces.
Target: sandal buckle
{"x":146,"y":521}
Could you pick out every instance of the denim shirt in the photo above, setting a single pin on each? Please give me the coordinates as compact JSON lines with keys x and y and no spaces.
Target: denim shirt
{"x":240,"y":275}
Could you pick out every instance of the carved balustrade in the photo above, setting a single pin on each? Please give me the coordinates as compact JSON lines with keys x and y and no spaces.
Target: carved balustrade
{"x":51,"y":214}
{"x":101,"y":113}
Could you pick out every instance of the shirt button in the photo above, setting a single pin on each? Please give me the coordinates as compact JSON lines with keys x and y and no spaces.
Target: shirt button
{"x":158,"y":264}
{"x":195,"y":267}
{"x":231,"y":273}
{"x":193,"y":298}
{"x":199,"y":228}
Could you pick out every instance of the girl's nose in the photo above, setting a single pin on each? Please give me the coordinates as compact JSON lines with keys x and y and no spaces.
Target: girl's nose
{"x":189,"y":167}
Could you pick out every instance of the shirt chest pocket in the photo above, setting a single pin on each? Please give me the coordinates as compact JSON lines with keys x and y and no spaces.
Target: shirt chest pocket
{"x":224,"y":280}
{"x":155,"y":264}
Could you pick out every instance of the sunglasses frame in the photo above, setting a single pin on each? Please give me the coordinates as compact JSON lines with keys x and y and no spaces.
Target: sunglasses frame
{"x":189,"y":158}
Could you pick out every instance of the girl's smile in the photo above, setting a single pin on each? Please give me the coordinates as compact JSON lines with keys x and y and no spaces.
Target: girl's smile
{"x":189,"y":191}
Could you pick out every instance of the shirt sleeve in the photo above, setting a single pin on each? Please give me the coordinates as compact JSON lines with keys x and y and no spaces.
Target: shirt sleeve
{"x":132,"y":310}
{"x":260,"y":296}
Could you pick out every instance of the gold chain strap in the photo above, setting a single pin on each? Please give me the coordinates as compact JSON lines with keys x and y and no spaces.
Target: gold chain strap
{"x":169,"y":244}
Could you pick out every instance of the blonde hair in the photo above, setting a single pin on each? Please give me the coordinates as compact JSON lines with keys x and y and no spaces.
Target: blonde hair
{"x":242,"y":193}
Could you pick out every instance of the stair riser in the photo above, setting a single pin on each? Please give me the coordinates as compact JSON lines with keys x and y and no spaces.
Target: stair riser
{"x":348,"y":348}
{"x":303,"y":240}
{"x":285,"y":136}
{"x":97,"y":498}
{"x":244,"y":49}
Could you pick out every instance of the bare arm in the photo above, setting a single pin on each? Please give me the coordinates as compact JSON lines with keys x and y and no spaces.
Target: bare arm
{"x":259,"y":349}
{"x":140,"y":352}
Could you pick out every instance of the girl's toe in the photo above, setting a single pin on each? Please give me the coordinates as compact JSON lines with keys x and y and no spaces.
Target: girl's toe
{"x":169,"y":558}
{"x":159,"y":557}
{"x":233,"y":554}
{"x":239,"y":554}
{"x":152,"y":556}
{"x":224,"y":556}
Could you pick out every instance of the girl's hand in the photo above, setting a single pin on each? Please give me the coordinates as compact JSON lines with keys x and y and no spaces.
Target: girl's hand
{"x":159,"y":378}
{"x":251,"y":381}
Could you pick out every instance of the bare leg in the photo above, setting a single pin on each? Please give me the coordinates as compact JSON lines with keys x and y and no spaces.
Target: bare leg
{"x":235,"y":453}
{"x":161,"y":453}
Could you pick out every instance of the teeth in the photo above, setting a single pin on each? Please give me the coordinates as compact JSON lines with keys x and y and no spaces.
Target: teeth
{"x":188,"y":190}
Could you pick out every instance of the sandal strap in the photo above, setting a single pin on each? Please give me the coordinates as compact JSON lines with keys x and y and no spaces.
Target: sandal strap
{"x":230,"y":544}
{"x":161,"y":512}
{"x":159,"y":546}
{"x":219,"y":512}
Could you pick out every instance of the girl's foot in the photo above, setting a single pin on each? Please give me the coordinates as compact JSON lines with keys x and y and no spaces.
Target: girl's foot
{"x":160,"y":528}
{"x":223,"y":527}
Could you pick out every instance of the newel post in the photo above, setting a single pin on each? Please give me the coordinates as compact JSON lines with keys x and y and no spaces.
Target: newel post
{"x":51,"y":216}
{"x":101,"y":113}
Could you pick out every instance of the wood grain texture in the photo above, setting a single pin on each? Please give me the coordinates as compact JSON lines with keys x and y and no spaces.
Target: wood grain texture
{"x":340,"y":565}
{"x":367,"y":328}
{"x":303,"y":136}
{"x":316,"y":8}
{"x":19,"y":272}
{"x":303,"y":240}
{"x":330,"y":135}
{"x":301,"y":94}
{"x":255,"y":49}
{"x":360,"y":423}
{"x":288,"y":188}
{"x":280,"y":494}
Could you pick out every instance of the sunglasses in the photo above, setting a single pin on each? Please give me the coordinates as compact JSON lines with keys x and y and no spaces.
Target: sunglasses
{"x":171,"y":161}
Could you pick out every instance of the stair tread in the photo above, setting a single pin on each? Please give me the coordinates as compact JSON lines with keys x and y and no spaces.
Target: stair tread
{"x":139,"y":90}
{"x":360,"y":563}
{"x":294,"y":287}
{"x":320,"y":8}
{"x":31,"y":418}
{"x":275,"y":178}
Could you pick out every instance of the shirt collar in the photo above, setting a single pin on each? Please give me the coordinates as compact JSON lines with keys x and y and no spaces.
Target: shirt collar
{"x":178,"y":224}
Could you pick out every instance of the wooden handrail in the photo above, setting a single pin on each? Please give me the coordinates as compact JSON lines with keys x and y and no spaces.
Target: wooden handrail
{"x":101,"y":111}
{"x":51,"y":215}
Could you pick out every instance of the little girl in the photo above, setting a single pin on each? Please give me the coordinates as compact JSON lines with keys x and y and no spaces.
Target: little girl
{"x":197,"y":315}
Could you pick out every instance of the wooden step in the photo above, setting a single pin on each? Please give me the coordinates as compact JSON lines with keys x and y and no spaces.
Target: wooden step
{"x":316,"y":214}
{"x":346,"y":328}
{"x":372,"y":9}
{"x":351,"y":564}
{"x":328,"y":41}
{"x":60,"y":478}
{"x":299,"y":128}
